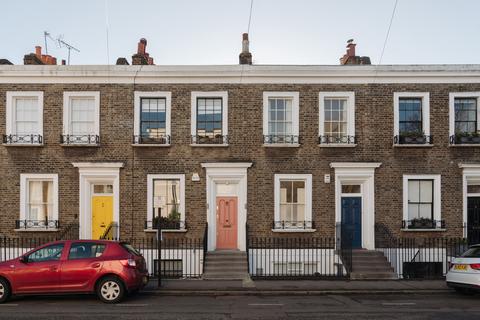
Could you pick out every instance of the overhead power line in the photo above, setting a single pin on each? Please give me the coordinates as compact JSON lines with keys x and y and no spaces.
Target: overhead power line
{"x":388,"y":32}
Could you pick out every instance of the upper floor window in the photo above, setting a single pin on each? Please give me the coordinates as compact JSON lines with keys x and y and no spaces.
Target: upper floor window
{"x":293,"y":201}
{"x":38,"y":201}
{"x":464,"y":118}
{"x":81,"y":118}
{"x":337,"y":118}
{"x":166,"y":201}
{"x":280,"y":118}
{"x":209,"y":118}
{"x":24,"y":115}
{"x":412,"y":118}
{"x":422,"y":202}
{"x":152,"y":118}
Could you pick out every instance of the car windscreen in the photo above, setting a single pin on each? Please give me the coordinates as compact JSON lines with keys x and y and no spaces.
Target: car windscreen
{"x":472,"y":253}
{"x":130,"y":248}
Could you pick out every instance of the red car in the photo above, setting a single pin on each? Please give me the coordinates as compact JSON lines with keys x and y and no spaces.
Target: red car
{"x":108,"y":268}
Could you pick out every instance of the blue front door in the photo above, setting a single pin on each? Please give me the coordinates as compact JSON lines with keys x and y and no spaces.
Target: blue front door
{"x":352,"y":219}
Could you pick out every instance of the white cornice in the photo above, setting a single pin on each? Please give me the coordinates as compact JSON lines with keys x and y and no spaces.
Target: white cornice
{"x":227,"y":165}
{"x":355,"y":164}
{"x":236,"y":74}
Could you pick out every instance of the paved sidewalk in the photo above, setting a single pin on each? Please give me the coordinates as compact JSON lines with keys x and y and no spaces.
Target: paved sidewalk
{"x":293,"y":287}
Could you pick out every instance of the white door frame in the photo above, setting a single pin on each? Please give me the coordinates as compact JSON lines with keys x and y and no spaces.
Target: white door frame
{"x":362,"y":173}
{"x":471,"y":173}
{"x":94,"y":173}
{"x":231,"y":172}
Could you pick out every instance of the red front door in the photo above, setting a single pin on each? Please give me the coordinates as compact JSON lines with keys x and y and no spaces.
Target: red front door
{"x":227,"y":222}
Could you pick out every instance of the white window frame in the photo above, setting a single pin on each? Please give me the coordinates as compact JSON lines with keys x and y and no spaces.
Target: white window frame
{"x":10,"y":128}
{"x":138,"y":95}
{"x":350,"y":96}
{"x":436,"y":192}
{"x":308,"y":197}
{"x":151,"y":178}
{"x":67,"y":110}
{"x":24,"y":179}
{"x":209,"y":94}
{"x":295,"y":96}
{"x":425,"y":96}
{"x":451,"y":105}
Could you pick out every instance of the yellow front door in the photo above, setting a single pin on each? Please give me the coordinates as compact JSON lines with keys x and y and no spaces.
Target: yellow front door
{"x":102,"y":214}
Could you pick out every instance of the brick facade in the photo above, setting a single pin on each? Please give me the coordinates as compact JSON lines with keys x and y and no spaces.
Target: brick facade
{"x":373,"y":129}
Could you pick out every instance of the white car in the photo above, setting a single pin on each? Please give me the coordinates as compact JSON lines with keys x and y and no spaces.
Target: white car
{"x":464,"y":273}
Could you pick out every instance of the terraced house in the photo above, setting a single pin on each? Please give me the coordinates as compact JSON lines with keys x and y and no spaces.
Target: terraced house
{"x":244,"y":151}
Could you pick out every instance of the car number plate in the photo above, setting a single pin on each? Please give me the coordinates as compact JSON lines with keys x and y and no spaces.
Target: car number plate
{"x":460,"y":267}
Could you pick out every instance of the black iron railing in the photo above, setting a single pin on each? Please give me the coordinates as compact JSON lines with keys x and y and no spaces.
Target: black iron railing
{"x":152,"y":139}
{"x":71,"y":139}
{"x":345,"y":245}
{"x":294,"y":258}
{"x":465,"y":139}
{"x":37,"y":224}
{"x":165,"y":225}
{"x":423,"y":224}
{"x":337,"y":140}
{"x":412,"y":139}
{"x":205,"y":139}
{"x":281,"y":139}
{"x":421,"y":258}
{"x":285,"y":225}
{"x":110,"y":232}
{"x":23,"y":139}
{"x":205,"y":246}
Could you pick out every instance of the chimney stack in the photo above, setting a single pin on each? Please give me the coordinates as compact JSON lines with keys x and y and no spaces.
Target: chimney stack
{"x":245,"y":56}
{"x":350,"y":58}
{"x":142,"y":57}
{"x":39,"y":58}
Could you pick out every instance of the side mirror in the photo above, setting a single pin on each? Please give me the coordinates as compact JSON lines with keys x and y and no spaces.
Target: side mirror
{"x":23,"y":259}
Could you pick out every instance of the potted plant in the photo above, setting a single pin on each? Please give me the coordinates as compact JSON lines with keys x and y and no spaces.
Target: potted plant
{"x":467,"y":137}
{"x":172,"y":221}
{"x":421,"y":223}
{"x":412,"y":137}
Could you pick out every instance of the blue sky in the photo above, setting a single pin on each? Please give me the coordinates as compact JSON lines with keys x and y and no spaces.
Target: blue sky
{"x":209,"y":31}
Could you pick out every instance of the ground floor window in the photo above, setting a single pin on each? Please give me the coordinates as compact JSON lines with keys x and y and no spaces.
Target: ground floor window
{"x":421,"y":208}
{"x":293,"y":201}
{"x":38,"y":201}
{"x":166,"y":202}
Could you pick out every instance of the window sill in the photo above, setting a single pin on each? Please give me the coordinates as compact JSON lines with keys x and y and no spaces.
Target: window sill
{"x":424,"y":230}
{"x":23,"y":145}
{"x":80,"y":145}
{"x":36,"y":230}
{"x":413,"y":145}
{"x":281,"y":145}
{"x":209,"y":145}
{"x":337,"y":145}
{"x":294,"y":230}
{"x":465,"y":145}
{"x":166,"y":230}
{"x":146,"y":145}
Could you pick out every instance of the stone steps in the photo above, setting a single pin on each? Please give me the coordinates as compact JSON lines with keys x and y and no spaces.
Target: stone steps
{"x":225,"y":265}
{"x":370,"y":265}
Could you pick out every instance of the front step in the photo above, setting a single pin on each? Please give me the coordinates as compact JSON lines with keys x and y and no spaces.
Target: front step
{"x":225,"y":265}
{"x":370,"y":265}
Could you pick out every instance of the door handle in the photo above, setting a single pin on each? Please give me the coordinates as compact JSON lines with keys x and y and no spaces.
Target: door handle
{"x":54,"y":268}
{"x":96,"y":265}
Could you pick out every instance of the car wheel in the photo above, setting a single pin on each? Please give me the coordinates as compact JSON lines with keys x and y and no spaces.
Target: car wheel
{"x":4,"y":290}
{"x":110,"y":290}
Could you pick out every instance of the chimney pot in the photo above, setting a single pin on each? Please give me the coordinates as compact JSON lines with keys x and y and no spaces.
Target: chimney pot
{"x":64,"y":62}
{"x":245,"y":56}
{"x":38,"y":51}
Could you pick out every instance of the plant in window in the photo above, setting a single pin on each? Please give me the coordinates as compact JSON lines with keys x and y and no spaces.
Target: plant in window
{"x":467,"y":137}
{"x":421,"y":223}
{"x":413,"y":137}
{"x":172,"y":221}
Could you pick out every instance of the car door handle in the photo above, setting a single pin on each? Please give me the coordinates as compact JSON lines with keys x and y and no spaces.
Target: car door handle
{"x":96,"y":265}
{"x":54,"y":268}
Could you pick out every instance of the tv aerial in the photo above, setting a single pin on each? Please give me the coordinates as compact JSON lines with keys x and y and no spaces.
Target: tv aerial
{"x":60,"y":44}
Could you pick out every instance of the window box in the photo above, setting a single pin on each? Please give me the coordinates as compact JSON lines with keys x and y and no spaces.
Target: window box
{"x":32,"y":225}
{"x":465,"y":138}
{"x":23,"y":140}
{"x":165,"y":223}
{"x":209,"y":140}
{"x":423,"y":223}
{"x":80,"y":140}
{"x":412,"y":138}
{"x":148,"y":139}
